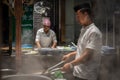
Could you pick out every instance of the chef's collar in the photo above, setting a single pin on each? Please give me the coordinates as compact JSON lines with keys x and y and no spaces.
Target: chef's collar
{"x":84,"y":28}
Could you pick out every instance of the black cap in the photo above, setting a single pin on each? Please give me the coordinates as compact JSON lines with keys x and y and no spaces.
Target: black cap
{"x":82,"y":6}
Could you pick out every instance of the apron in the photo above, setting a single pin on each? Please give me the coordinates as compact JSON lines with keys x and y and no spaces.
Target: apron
{"x":46,"y":41}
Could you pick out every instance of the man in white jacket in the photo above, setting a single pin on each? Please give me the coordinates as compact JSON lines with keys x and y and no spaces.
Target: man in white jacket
{"x":87,"y":56}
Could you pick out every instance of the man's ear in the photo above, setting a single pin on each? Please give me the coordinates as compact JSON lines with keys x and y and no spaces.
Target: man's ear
{"x":85,"y":13}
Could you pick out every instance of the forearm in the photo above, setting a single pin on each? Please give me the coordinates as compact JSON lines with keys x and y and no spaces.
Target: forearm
{"x":72,"y":53}
{"x":54,"y":45}
{"x":38,"y":44}
{"x":67,"y":56}
{"x":87,"y":54}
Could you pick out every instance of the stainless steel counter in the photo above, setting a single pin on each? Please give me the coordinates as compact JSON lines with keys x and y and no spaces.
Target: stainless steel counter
{"x":34,"y":64}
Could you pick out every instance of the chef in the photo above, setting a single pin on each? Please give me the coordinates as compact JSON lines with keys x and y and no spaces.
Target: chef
{"x":87,"y":56}
{"x":46,"y":37}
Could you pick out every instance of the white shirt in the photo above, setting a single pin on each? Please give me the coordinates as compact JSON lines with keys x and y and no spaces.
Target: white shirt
{"x":91,"y":38}
{"x":45,"y":40}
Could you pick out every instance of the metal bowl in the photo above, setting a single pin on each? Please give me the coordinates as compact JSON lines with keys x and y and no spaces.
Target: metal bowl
{"x":26,"y":77}
{"x":7,"y":71}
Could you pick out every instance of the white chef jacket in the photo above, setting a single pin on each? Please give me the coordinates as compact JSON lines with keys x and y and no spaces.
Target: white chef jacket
{"x":45,"y":40}
{"x":91,"y":38}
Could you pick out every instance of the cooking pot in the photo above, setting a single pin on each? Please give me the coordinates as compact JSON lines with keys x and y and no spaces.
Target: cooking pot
{"x":26,"y":77}
{"x":7,"y":71}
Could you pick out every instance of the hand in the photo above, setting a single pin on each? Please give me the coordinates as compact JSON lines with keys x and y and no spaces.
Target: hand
{"x":66,"y":67}
{"x":65,"y":57}
{"x":52,"y":47}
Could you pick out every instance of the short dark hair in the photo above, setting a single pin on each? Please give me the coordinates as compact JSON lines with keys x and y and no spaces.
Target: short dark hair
{"x":84,"y":7}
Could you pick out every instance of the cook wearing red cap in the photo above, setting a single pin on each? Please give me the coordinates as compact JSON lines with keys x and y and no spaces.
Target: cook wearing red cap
{"x":46,"y":24}
{"x":45,"y":36}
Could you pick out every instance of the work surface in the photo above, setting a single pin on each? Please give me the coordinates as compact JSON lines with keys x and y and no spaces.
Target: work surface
{"x":33,"y":63}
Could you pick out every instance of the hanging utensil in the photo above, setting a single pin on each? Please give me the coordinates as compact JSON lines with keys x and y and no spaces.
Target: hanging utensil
{"x":74,"y":44}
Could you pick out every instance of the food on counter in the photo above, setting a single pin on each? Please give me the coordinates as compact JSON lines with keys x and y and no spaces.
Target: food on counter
{"x":58,"y":75}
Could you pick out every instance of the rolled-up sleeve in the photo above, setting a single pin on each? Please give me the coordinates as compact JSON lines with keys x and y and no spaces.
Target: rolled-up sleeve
{"x":94,"y":42}
{"x":54,"y":37}
{"x":37,"y":36}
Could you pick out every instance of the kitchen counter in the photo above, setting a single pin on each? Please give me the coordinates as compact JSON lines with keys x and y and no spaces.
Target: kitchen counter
{"x":33,"y":63}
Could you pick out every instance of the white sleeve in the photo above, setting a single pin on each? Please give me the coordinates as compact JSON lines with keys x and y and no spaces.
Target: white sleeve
{"x":37,"y":36}
{"x":94,"y":41}
{"x":54,"y":37}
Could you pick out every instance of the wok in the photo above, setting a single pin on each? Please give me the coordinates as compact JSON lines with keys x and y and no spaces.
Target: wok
{"x":26,"y":77}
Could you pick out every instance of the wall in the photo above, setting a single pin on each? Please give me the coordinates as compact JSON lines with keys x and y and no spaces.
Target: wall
{"x":0,"y":23}
{"x":69,"y":21}
{"x":27,"y":25}
{"x":0,"y":34}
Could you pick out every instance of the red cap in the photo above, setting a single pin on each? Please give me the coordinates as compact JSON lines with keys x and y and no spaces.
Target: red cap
{"x":46,"y":21}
